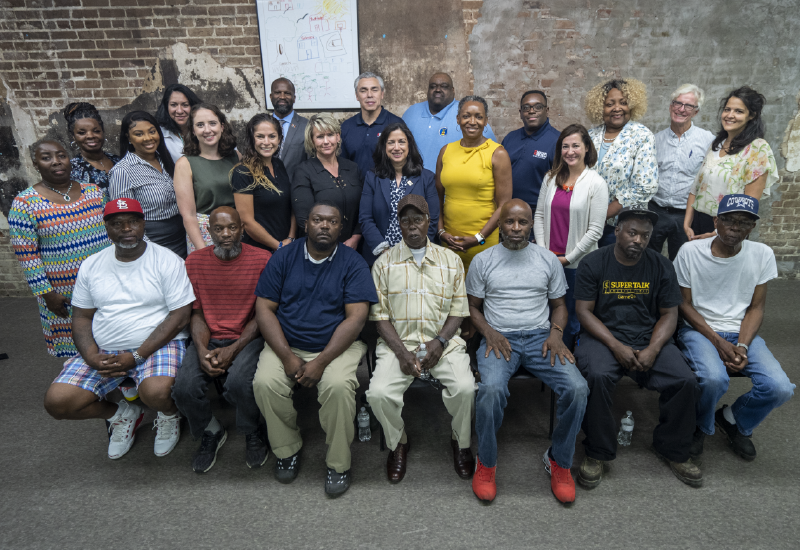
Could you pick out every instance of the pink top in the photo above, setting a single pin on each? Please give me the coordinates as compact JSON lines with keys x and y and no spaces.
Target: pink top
{"x":559,"y":221}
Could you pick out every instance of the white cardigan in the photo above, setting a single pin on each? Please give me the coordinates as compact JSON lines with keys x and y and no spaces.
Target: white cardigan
{"x":587,"y":215}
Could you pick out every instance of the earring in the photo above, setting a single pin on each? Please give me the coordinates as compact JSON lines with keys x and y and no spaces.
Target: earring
{"x":72,"y":144}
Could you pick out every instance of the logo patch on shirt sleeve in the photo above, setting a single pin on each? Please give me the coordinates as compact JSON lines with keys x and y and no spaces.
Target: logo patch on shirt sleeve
{"x":540,"y":154}
{"x":442,"y":131}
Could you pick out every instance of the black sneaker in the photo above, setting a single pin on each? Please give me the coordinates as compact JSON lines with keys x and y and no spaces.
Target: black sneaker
{"x":256,"y":448}
{"x":286,"y":469}
{"x":336,"y":484}
{"x":741,"y":444}
{"x":696,"y":450}
{"x":206,"y":455}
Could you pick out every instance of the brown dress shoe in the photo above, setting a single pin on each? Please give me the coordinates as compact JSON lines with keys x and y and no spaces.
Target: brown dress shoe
{"x":463,"y":461}
{"x":396,"y":463}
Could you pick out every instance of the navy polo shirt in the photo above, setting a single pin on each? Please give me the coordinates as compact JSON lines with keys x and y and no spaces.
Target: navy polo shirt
{"x":531,"y":158}
{"x":311,"y":297}
{"x":359,"y":140}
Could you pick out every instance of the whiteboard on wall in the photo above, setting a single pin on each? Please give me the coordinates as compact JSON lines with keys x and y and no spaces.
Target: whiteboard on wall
{"x":313,"y":43}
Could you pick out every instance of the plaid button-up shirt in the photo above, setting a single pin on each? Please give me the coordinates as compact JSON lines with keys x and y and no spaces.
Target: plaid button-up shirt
{"x":418,"y":299}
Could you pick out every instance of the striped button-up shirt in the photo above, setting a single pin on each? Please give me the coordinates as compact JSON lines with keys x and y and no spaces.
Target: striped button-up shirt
{"x":679,"y":159}
{"x":418,"y":299}
{"x":134,"y":178}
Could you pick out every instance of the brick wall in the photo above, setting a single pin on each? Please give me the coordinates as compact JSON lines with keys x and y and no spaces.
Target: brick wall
{"x":781,"y":228}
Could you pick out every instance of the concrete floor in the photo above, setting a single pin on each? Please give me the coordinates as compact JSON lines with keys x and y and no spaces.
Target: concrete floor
{"x":61,"y":491}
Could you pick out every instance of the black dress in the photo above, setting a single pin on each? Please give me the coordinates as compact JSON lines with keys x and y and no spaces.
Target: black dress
{"x":273,"y":211}
{"x":313,"y":183}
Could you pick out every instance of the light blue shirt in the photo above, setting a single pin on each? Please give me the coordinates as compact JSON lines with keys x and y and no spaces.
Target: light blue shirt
{"x":285,"y":122}
{"x":432,"y":132}
{"x":679,"y":159}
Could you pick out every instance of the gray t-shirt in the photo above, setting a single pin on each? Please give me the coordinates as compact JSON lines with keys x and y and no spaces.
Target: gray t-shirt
{"x":515,"y":286}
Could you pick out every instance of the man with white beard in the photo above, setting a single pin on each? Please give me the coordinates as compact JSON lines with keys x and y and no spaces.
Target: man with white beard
{"x":225,"y":339}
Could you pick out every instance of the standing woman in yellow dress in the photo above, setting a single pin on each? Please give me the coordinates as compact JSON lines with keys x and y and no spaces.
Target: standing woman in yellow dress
{"x":473,"y":179}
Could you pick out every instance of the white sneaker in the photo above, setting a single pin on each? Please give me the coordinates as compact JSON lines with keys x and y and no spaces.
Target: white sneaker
{"x":168,"y":434}
{"x":122,"y":429}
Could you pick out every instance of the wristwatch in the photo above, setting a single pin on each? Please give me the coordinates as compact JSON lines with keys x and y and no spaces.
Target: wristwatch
{"x":745,"y":346}
{"x":138,"y":358}
{"x":441,"y":341}
{"x":481,"y":238}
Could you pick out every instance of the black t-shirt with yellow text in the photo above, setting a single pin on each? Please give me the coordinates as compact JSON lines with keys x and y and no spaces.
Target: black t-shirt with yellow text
{"x":628,"y":298}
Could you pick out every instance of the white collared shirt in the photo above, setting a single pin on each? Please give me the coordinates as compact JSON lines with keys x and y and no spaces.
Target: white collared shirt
{"x":679,"y":159}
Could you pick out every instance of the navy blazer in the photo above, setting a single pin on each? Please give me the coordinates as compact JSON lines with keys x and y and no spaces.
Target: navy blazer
{"x":376,"y":208}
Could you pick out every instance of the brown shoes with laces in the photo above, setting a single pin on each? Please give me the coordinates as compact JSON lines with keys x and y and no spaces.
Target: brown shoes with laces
{"x":463,"y":461}
{"x":396,"y":463}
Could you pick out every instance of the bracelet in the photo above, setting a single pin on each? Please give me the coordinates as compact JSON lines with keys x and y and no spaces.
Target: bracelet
{"x":440,"y":232}
{"x":480,"y":236}
{"x":558,"y":328}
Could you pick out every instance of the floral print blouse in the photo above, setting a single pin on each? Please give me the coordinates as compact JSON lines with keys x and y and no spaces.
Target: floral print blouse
{"x":730,"y":174}
{"x":629,"y":166}
{"x":83,"y":172}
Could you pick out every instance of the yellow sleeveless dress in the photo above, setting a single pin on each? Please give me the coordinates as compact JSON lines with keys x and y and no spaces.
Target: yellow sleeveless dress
{"x":468,"y":183}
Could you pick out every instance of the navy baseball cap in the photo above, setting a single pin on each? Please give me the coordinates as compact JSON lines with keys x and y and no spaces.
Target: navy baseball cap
{"x":738,"y":203}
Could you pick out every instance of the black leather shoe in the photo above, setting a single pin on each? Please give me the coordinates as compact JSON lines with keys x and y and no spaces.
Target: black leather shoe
{"x":396,"y":463}
{"x":741,"y":444}
{"x":463,"y":461}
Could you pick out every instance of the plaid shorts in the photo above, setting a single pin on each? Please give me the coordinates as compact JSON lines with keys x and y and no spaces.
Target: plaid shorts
{"x":164,"y":362}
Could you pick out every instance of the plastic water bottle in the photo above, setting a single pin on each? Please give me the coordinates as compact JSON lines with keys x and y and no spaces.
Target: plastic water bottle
{"x":421,"y":353}
{"x":626,"y":429}
{"x":364,"y":432}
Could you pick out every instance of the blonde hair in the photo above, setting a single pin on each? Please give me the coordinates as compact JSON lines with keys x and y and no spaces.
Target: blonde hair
{"x":321,"y":123}
{"x":633,"y":90}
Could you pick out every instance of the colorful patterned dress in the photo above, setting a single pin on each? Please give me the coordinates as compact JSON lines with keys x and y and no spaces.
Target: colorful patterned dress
{"x":51,"y":241}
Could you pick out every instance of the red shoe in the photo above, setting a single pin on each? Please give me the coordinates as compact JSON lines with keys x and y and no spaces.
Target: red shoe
{"x":561,"y":482}
{"x":483,"y":484}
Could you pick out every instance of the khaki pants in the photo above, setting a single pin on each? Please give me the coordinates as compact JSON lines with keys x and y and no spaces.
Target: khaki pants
{"x":388,"y":384}
{"x":336,"y":390}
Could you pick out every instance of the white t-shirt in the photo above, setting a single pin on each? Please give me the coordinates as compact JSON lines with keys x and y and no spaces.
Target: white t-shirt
{"x":131,"y":298}
{"x":722,"y":288}
{"x":516,"y":285}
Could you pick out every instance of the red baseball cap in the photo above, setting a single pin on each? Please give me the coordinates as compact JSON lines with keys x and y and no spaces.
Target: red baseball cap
{"x":122,"y":206}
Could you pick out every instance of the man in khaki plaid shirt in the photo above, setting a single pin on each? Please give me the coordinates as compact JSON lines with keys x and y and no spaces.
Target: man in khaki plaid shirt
{"x":421,"y":300}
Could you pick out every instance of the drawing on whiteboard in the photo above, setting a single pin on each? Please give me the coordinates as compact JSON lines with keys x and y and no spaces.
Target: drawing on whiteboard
{"x":314,"y":43}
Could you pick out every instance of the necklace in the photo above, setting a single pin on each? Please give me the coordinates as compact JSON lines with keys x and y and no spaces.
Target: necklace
{"x":65,"y":195}
{"x":101,"y":161}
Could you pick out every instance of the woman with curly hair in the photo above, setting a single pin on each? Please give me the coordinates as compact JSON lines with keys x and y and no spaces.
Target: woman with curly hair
{"x":262,"y":190}
{"x":739,"y":161}
{"x":626,"y":154}
{"x":92,"y":163}
{"x":326,"y":176}
{"x":202,"y":176}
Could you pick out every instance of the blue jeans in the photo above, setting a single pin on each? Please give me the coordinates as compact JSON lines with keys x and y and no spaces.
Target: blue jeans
{"x":573,"y":326}
{"x":565,"y":380}
{"x":771,"y":387}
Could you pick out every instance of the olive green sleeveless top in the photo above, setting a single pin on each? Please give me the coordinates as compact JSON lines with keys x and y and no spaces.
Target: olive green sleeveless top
{"x":211,"y":184}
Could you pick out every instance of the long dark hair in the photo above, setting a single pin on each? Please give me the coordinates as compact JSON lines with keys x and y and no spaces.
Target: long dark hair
{"x":560,"y":169}
{"x":125,"y":146}
{"x":227,"y":141}
{"x":383,"y":165}
{"x":77,"y":111}
{"x":251,"y":160}
{"x":162,"y":115}
{"x":755,"y":127}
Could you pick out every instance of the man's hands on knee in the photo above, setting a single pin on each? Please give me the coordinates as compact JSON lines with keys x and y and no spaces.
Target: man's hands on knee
{"x":111,"y":365}
{"x":646,"y":357}
{"x":555,"y":345}
{"x":434,"y":355}
{"x":310,"y":373}
{"x":204,"y":355}
{"x":222,"y":358}
{"x":293,"y":367}
{"x":733,"y":357}
{"x":626,"y":357}
{"x":497,"y":343}
{"x":409,"y":364}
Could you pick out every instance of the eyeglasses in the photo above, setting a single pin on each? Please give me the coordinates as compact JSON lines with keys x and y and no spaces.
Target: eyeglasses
{"x":731,"y":222}
{"x":416,"y":220}
{"x":538,"y":108}
{"x":678,"y":106}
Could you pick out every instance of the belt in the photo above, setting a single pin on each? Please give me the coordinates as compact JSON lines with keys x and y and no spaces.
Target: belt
{"x":670,"y":209}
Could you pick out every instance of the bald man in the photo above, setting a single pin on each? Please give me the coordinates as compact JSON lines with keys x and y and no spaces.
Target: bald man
{"x":511,"y":288}
{"x":293,"y":151}
{"x":225,"y":339}
{"x":433,"y":122}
